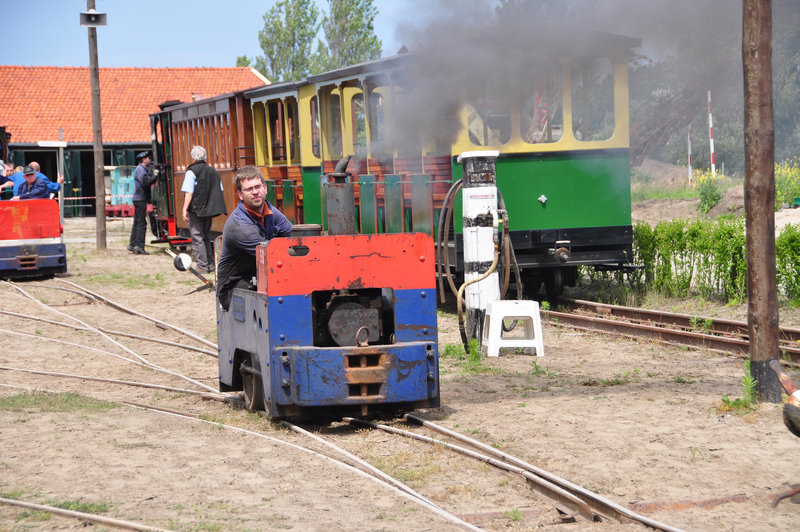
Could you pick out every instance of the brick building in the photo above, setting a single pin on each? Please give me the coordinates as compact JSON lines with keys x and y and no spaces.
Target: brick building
{"x":45,"y":109}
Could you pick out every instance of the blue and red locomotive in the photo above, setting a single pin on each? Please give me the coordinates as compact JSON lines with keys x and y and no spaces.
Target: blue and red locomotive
{"x":31,"y":243}
{"x":338,"y":324}
{"x":341,"y":323}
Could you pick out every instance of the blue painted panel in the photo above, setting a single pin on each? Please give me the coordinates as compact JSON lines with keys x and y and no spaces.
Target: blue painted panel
{"x":290,"y":320}
{"x":415,"y":315}
{"x":47,"y":256}
{"x":318,"y":375}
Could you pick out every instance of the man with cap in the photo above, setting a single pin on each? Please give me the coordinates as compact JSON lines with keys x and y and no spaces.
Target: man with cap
{"x":143,"y":180}
{"x":16,"y":180}
{"x":34,"y":187}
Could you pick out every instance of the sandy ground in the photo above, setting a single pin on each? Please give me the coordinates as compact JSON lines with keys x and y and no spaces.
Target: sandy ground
{"x":634,"y":421}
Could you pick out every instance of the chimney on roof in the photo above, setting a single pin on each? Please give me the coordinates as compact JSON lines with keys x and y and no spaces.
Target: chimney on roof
{"x":168,"y":103}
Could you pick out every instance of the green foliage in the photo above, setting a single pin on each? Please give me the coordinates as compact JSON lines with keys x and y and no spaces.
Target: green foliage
{"x":349,"y":29}
{"x":472,"y":361}
{"x":290,"y":27}
{"x":128,"y":281}
{"x":53,"y":402}
{"x":749,"y":399}
{"x":710,"y":195}
{"x":242,"y":61}
{"x":625,"y":377}
{"x":787,"y":182}
{"x":81,"y":506}
{"x":703,"y":325}
{"x":787,"y":262}
{"x":539,"y":370}
{"x":680,"y":256}
{"x":648,"y":193}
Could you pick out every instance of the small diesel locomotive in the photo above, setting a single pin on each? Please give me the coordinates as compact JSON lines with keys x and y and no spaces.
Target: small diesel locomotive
{"x":339,"y":325}
{"x":31,"y":243}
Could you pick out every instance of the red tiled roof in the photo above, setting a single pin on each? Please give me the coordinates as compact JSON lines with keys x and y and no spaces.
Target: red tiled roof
{"x":36,"y":100}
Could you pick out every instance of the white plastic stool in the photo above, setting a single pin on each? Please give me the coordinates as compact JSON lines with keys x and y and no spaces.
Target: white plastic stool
{"x":526,"y":312}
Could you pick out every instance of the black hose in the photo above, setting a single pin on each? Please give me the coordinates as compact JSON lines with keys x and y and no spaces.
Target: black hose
{"x":440,"y":250}
{"x":444,"y":232}
{"x":501,"y":202}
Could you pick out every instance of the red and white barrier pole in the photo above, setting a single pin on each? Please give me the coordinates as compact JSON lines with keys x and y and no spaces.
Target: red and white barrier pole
{"x":711,"y":137}
{"x":689,"y":151}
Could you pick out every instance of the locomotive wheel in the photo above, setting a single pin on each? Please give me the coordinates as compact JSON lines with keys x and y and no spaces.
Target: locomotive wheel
{"x":554,"y":286}
{"x":252,"y":386}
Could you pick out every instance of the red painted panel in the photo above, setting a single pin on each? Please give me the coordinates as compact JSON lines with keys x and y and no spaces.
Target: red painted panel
{"x":398,"y":261}
{"x":29,"y":219}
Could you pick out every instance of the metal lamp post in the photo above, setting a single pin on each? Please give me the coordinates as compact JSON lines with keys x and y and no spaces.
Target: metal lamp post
{"x":92,"y":19}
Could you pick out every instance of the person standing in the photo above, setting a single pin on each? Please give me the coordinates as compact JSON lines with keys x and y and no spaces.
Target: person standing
{"x":253,"y":221}
{"x":143,"y":180}
{"x":202,"y":201}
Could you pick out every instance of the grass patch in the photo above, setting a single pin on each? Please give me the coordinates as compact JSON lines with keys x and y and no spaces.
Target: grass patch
{"x":400,"y":466}
{"x":539,"y":370}
{"x":470,"y":363}
{"x":81,"y":506}
{"x":644,"y":193}
{"x":54,"y":402}
{"x":619,"y":379}
{"x":749,"y":400}
{"x":513,"y":515}
{"x":126,"y":280}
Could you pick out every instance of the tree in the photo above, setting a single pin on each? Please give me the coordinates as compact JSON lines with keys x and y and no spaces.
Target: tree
{"x":350,"y":34}
{"x":290,"y":27}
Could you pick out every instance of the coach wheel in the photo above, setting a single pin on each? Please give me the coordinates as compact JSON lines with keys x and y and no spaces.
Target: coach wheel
{"x":252,"y":385}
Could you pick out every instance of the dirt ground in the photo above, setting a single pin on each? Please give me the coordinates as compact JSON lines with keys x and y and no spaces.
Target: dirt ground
{"x":633,"y":421}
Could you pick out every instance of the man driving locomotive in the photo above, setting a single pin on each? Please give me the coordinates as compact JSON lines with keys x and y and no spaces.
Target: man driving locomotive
{"x":253,"y":221}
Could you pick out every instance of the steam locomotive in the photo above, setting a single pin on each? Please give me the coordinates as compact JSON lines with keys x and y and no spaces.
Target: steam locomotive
{"x":556,"y":113}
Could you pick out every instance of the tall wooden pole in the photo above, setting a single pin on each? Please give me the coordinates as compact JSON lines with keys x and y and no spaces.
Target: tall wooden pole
{"x":759,"y":196}
{"x":97,"y":132}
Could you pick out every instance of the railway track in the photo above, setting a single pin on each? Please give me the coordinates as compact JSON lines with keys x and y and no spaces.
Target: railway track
{"x":572,"y":501}
{"x":718,"y":334}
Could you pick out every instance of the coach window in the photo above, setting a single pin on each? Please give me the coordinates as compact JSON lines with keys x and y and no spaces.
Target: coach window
{"x":277,"y":134}
{"x":377,"y":124}
{"x":359,"y":125}
{"x":315,"y":126}
{"x":293,"y":155}
{"x":489,"y":115}
{"x":541,"y":119}
{"x":336,"y":125}
{"x":592,"y":98}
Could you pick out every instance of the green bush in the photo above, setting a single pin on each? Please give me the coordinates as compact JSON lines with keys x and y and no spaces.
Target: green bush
{"x":787,"y":262}
{"x":710,"y":195}
{"x":682,"y":256}
{"x":787,"y":182}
